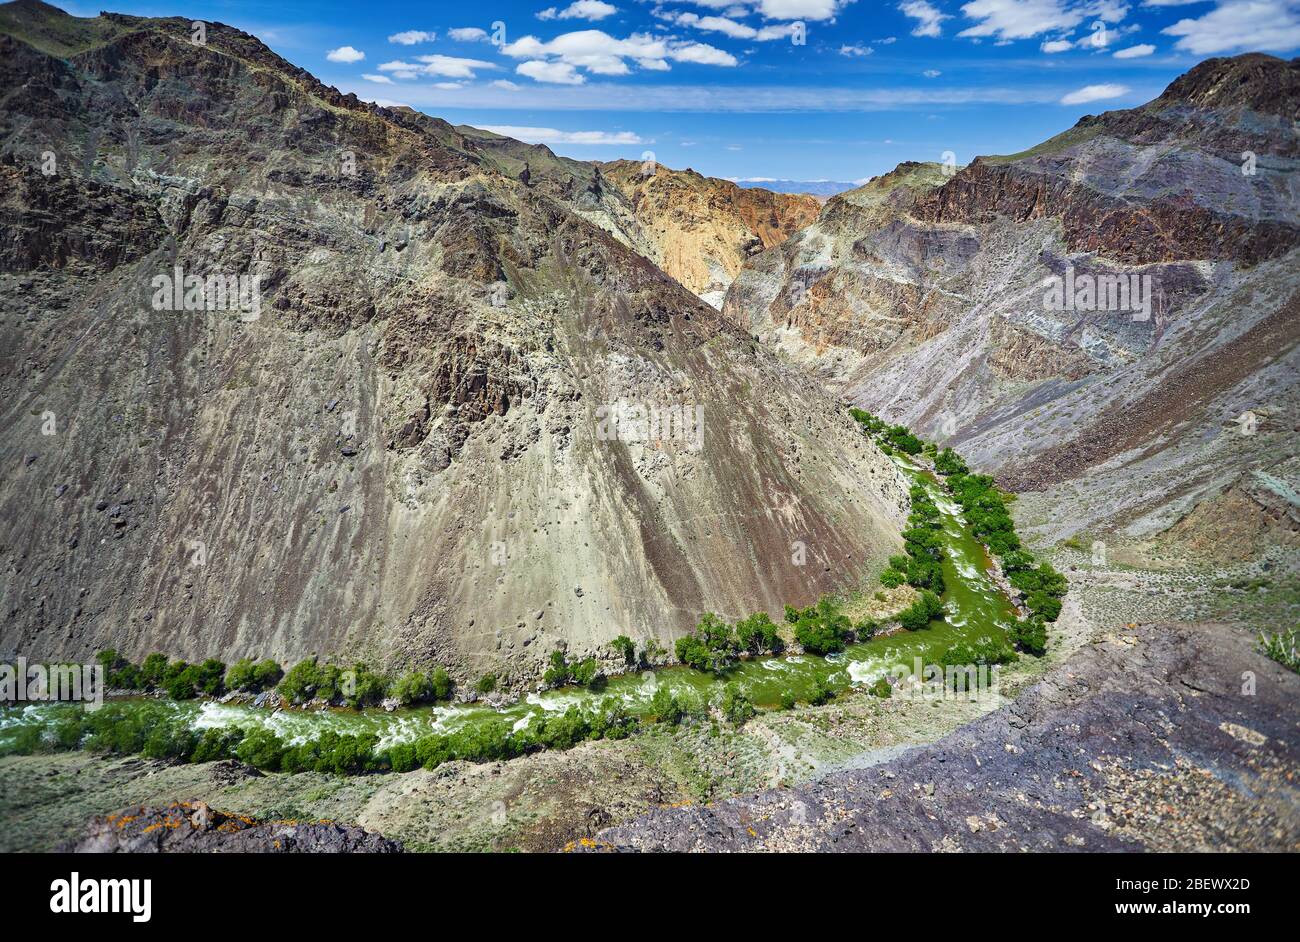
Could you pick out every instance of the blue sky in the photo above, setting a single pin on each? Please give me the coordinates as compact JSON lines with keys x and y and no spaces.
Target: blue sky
{"x":753,"y":89}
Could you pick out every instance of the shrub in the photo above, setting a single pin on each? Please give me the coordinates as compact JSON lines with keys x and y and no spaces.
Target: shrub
{"x":361,"y":687}
{"x":948,"y":462}
{"x":1045,"y":606}
{"x":892,"y":578}
{"x":558,"y":673}
{"x":822,"y":693}
{"x":170,"y":740}
{"x":152,"y":670}
{"x":921,"y":612}
{"x":787,"y":700}
{"x":712,"y":647}
{"x":261,"y":749}
{"x":1030,"y":636}
{"x":623,"y":645}
{"x":758,"y":634}
{"x":984,"y":651}
{"x":882,"y":688}
{"x":413,"y":687}
{"x":245,"y":675}
{"x":665,"y":708}
{"x":217,"y":744}
{"x":486,"y":684}
{"x":820,"y":628}
{"x":586,"y":673}
{"x":736,"y":707}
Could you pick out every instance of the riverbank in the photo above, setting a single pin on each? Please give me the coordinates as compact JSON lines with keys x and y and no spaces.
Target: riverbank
{"x":1212,"y":767}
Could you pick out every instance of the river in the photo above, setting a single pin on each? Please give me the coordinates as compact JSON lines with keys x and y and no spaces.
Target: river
{"x":974,"y":608}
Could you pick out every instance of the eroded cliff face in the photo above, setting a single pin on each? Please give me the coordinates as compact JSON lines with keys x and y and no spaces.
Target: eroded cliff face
{"x":404,"y":450}
{"x":702,"y":229}
{"x":930,"y":296}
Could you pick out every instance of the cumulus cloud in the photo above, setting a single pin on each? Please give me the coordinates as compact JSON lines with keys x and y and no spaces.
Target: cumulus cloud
{"x":800,"y":9}
{"x":1240,"y":25}
{"x":412,"y":36}
{"x":555,"y":73}
{"x":506,"y":84}
{"x":381,"y":79}
{"x":926,"y":15}
{"x":727,"y":26}
{"x":857,"y":50}
{"x":1135,"y":52}
{"x":599,"y":53}
{"x":1057,"y":45}
{"x":345,"y":54}
{"x":467,"y":34}
{"x":580,"y":10}
{"x":932,"y":73}
{"x":1089,"y":93}
{"x":1007,"y":20}
{"x":555,"y":136}
{"x":440,"y":65}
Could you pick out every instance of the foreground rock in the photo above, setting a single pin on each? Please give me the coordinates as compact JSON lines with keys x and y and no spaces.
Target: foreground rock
{"x":1171,"y":738}
{"x":194,"y":828}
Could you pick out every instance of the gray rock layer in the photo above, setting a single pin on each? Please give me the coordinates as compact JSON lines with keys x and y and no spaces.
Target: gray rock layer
{"x":1171,"y":738}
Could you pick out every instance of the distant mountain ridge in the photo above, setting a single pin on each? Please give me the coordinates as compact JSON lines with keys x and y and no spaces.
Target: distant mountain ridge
{"x":820,"y":188}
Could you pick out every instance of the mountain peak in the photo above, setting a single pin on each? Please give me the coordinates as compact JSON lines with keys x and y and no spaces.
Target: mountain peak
{"x":1257,"y":81}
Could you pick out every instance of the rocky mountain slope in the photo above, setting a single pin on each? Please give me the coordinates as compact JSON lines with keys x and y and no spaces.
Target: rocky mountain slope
{"x":926,"y":296}
{"x":702,"y":229}
{"x":191,"y":827}
{"x":400,"y":445}
{"x":698,"y":229}
{"x":1141,"y":741}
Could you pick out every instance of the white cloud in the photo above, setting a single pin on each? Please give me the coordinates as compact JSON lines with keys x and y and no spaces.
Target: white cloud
{"x":599,"y":53}
{"x":555,"y":73}
{"x":726,"y":26}
{"x":345,"y":54}
{"x":800,"y":9}
{"x":381,"y":79}
{"x":857,"y":50}
{"x":928,"y":17}
{"x":1057,"y":45}
{"x":580,"y":10}
{"x":554,"y":136}
{"x":1241,"y":25}
{"x":1019,"y":19}
{"x":702,"y":54}
{"x":932,"y":73}
{"x":1007,"y":20}
{"x":887,"y":41}
{"x":444,"y":66}
{"x":505,"y":83}
{"x":1094,"y":93}
{"x":448,"y":84}
{"x":467,"y":34}
{"x":453,"y":66}
{"x":1135,"y":52}
{"x":412,"y":36}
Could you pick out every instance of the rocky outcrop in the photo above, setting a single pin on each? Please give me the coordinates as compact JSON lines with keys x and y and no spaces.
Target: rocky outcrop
{"x":1161,"y":738}
{"x":464,"y":424}
{"x":930,"y":297}
{"x":191,"y":827}
{"x":702,"y":229}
